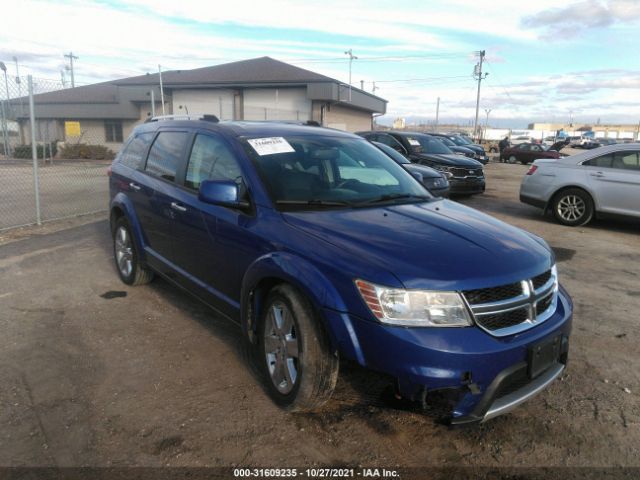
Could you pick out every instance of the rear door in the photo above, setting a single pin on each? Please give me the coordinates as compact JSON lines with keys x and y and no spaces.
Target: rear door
{"x":130,"y":179}
{"x":615,"y":179}
{"x":157,"y":206}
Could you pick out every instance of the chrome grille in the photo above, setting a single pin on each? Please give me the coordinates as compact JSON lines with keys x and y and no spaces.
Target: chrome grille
{"x":466,"y":172}
{"x":494,"y":294}
{"x":515,"y":307}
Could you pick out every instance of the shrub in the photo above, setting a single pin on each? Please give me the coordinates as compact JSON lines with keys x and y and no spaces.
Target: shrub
{"x":24,"y":151}
{"x":87,"y":152}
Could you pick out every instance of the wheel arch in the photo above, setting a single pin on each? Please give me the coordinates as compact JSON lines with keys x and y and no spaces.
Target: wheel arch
{"x":121,"y":206}
{"x":279,"y":267}
{"x":561,"y":189}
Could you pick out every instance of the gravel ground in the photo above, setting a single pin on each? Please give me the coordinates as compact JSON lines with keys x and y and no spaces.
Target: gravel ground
{"x":96,"y":373}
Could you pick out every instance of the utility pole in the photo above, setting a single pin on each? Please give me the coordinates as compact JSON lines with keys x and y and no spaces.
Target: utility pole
{"x":361,"y":84}
{"x":435,"y":127}
{"x":71,"y":58}
{"x":486,"y":121}
{"x":374,"y":88}
{"x":477,"y":73}
{"x":64,"y":80}
{"x":352,"y":57}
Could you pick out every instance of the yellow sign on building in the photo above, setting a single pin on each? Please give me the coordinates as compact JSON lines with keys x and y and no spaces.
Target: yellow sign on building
{"x":72,"y":129}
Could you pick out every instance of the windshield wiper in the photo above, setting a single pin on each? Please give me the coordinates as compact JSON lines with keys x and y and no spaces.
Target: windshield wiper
{"x":393,"y":196}
{"x":315,"y":202}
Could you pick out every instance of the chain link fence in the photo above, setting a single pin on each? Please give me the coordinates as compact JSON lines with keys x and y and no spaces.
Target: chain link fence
{"x":51,"y":166}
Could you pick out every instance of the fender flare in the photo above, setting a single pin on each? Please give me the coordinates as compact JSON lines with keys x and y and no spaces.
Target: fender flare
{"x":303,"y":275}
{"x":123,"y":203}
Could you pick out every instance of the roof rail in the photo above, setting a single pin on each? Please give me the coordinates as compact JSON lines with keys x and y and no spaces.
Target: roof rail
{"x":193,"y":116}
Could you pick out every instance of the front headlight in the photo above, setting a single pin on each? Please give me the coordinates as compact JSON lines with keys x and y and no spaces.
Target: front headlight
{"x":414,"y":308}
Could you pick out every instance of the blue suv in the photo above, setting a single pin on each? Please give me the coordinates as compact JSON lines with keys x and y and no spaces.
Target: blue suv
{"x":324,"y":249}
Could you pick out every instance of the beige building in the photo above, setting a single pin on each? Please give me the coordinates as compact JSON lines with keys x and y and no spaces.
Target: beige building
{"x":261,"y":89}
{"x":617,"y":131}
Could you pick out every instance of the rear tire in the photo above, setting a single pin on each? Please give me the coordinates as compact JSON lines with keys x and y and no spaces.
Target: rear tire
{"x":298,"y":367}
{"x":512,"y":159}
{"x":573,"y":207}
{"x":125,"y":254}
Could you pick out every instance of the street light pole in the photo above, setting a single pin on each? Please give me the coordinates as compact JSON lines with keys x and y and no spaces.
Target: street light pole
{"x":5,"y":133}
{"x":352,"y":57}
{"x":486,"y":121}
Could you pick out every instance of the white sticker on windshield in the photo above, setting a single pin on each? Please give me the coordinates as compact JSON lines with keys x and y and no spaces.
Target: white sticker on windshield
{"x":270,"y":145}
{"x":414,"y":142}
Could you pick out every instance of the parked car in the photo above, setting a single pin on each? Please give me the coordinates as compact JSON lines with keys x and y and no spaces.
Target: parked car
{"x":465,"y":175}
{"x":602,"y":182}
{"x":607,"y":141}
{"x":549,"y":141}
{"x":463,"y":141}
{"x":436,"y":182}
{"x":526,"y":153}
{"x":323,"y":249}
{"x":466,"y":151}
{"x":523,"y":139}
{"x":587,"y":145}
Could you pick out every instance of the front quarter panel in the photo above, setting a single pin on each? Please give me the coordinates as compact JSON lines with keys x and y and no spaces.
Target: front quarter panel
{"x":318,"y":289}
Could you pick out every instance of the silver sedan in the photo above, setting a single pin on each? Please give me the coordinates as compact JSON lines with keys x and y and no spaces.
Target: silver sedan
{"x":603,"y":182}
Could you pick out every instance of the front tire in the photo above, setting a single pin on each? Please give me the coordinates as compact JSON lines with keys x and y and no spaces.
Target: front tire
{"x":125,"y":254}
{"x":512,"y":159}
{"x":573,"y":207}
{"x":298,"y":367}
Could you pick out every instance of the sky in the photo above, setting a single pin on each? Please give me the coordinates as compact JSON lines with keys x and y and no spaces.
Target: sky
{"x":547,"y":61}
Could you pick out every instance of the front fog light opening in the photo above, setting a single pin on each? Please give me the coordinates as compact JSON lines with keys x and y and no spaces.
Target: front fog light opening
{"x":414,"y":308}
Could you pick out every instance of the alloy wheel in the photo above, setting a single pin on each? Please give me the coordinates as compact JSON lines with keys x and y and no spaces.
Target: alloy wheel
{"x":124,"y":251}
{"x":571,"y":208}
{"x":281,"y":348}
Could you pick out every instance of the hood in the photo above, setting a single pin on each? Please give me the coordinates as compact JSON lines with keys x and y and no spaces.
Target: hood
{"x":452,"y":160}
{"x":475,"y":147}
{"x":426,"y":172}
{"x":439,"y":244}
{"x":465,"y":150}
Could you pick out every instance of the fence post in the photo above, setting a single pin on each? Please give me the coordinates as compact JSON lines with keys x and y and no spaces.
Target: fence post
{"x":34,"y":150}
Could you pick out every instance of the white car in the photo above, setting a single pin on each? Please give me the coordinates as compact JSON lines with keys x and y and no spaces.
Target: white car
{"x":602,"y":182}
{"x":522,"y":139}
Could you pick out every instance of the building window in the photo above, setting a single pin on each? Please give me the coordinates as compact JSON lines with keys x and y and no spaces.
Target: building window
{"x":113,"y":131}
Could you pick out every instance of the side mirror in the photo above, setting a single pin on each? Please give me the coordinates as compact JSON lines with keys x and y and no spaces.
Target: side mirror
{"x":221,"y":192}
{"x":418,"y":176}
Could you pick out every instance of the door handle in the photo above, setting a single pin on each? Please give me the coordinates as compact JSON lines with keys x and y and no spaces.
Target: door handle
{"x":135,"y":186}
{"x":178,"y":207}
{"x":597,"y":174}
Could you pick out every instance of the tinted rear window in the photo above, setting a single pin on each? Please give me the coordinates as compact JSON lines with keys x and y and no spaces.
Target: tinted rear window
{"x":134,"y":152}
{"x":165,"y":154}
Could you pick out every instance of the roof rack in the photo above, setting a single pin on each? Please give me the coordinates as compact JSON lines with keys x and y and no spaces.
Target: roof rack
{"x":193,"y":116}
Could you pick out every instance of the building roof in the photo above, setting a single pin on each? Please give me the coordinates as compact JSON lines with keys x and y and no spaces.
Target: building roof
{"x":255,"y":70}
{"x":115,"y":99}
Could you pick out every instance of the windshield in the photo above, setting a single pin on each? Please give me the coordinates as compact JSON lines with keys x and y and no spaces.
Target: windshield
{"x":463,"y":140}
{"x":312,"y":172}
{"x":397,"y":156}
{"x":458,"y":141}
{"x":427,"y":144}
{"x":447,"y":142}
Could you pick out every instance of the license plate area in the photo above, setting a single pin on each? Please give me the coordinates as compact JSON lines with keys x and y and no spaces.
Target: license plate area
{"x":543,"y":354}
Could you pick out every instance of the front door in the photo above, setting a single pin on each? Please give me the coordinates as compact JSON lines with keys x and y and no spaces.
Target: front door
{"x":615,"y":179}
{"x":213,"y":244}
